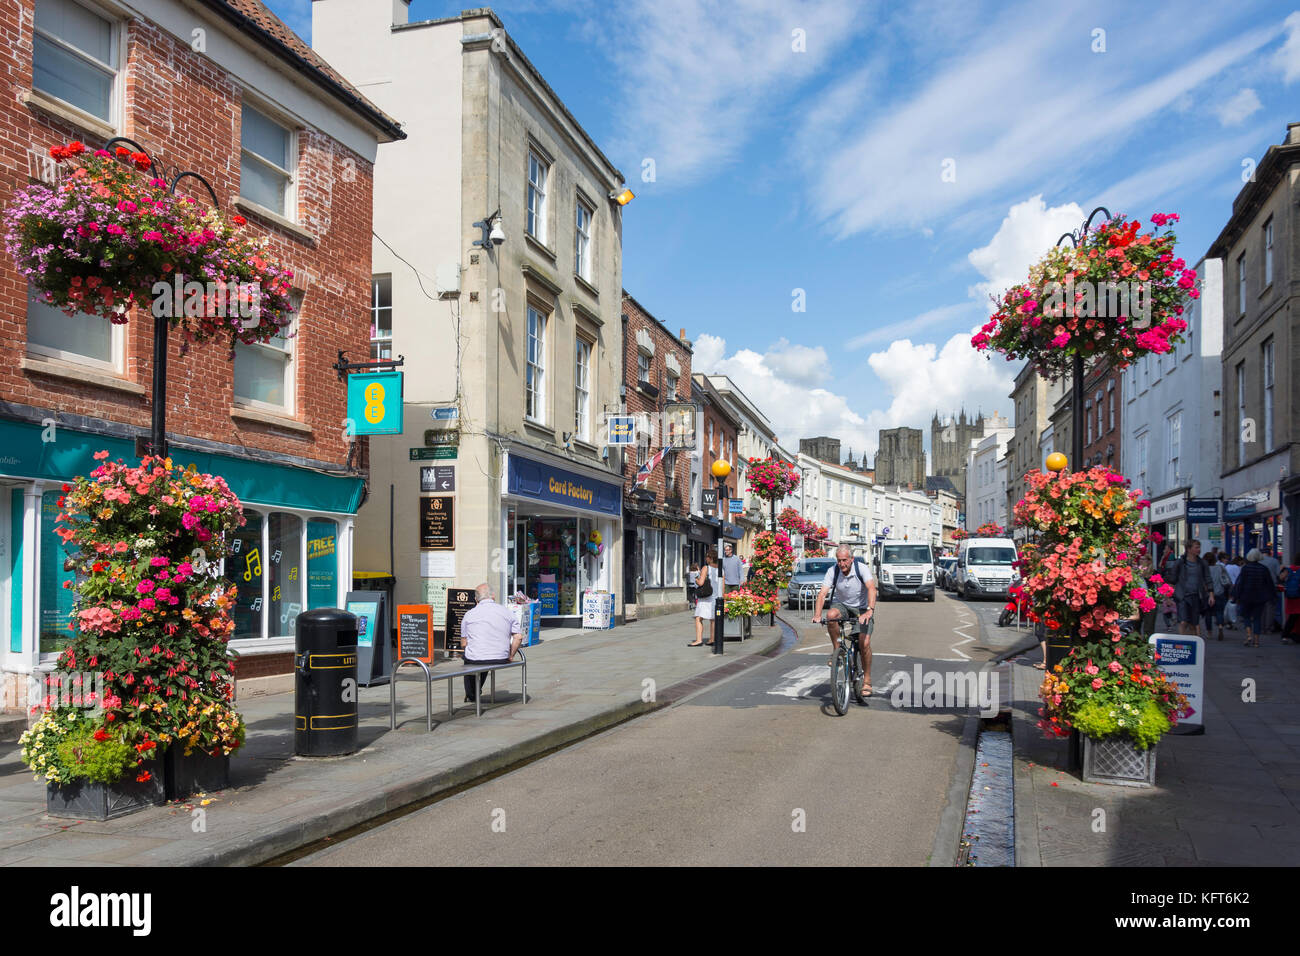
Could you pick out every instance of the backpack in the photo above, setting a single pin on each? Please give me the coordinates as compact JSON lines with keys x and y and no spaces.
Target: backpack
{"x":836,"y":580}
{"x":1293,"y":582}
{"x":706,"y":589}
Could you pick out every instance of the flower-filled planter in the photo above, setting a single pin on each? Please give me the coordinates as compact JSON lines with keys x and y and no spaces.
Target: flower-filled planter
{"x":739,"y":609}
{"x":108,"y":236}
{"x":1118,"y":761}
{"x":152,"y":620}
{"x":1117,"y":295}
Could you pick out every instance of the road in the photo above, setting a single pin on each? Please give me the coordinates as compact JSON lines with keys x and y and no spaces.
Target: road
{"x":756,"y":770}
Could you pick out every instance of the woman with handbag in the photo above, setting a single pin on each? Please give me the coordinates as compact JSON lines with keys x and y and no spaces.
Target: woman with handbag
{"x":707,"y":585}
{"x":1255,"y":587}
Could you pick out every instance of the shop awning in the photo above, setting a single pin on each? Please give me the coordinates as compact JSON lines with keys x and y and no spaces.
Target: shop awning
{"x":68,"y":453}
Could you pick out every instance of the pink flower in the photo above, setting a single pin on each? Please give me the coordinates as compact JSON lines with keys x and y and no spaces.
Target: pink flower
{"x":1115,"y":667}
{"x":146,"y":604}
{"x":1096,"y":683}
{"x":159,"y":562}
{"x":144,"y":587}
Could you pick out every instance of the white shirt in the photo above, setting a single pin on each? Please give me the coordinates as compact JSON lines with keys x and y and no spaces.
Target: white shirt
{"x":850,"y":590}
{"x":1233,"y":570}
{"x":486,"y":630}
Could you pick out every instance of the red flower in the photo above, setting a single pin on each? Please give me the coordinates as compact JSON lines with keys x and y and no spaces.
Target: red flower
{"x":238,"y":220}
{"x":145,"y":777}
{"x":101,"y":734}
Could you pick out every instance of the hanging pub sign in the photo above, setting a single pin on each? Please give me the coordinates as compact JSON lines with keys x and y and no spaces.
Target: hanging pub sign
{"x":375,"y":403}
{"x":437,"y":523}
{"x":679,"y":424}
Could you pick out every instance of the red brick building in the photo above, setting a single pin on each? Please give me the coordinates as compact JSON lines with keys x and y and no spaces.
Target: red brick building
{"x":223,"y":88}
{"x":656,"y":513}
{"x":1102,"y":407}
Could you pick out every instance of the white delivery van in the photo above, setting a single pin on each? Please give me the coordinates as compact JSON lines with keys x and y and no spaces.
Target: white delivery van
{"x":985,"y":567}
{"x":905,"y":569}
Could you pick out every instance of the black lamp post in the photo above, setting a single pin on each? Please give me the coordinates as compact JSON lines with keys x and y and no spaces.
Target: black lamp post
{"x":157,"y":443}
{"x":720,"y":469}
{"x":1076,"y":388}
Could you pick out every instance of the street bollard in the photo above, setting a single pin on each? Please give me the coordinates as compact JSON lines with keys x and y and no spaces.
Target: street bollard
{"x":718,"y":616}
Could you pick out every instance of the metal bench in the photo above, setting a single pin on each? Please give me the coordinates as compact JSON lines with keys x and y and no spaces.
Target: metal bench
{"x":430,"y":677}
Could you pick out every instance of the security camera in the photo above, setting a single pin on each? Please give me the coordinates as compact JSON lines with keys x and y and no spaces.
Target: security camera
{"x":498,"y":235}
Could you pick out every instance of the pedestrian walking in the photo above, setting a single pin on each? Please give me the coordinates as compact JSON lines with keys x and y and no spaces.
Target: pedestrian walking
{"x":1290,"y":581}
{"x":1254,"y":590}
{"x":733,"y":572}
{"x":691,"y":587}
{"x":708,"y":585}
{"x":1190,"y":577}
{"x":1273,"y":611}
{"x":1220,"y":585}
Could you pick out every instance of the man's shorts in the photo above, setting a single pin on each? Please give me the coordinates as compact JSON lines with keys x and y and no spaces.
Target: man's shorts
{"x":848,"y":613}
{"x":1189,"y":609}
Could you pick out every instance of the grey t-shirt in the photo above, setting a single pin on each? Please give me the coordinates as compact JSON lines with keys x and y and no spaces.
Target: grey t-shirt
{"x":732,"y":572}
{"x":850,"y":591}
{"x":1191,"y":578}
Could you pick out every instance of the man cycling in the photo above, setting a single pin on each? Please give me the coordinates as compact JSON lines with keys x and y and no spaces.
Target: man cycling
{"x":854,"y":597}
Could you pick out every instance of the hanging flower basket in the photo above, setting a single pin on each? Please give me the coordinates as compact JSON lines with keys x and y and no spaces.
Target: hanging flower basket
{"x":1117,"y":296}
{"x":771,"y":478}
{"x":106,"y":237}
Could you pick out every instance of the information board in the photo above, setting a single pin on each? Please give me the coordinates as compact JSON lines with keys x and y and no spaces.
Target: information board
{"x":1181,"y":657}
{"x":374,"y":661}
{"x":459,"y":603}
{"x":414,"y":632}
{"x":437,"y":523}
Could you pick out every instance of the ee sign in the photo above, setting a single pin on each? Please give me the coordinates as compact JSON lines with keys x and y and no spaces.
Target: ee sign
{"x":375,"y":403}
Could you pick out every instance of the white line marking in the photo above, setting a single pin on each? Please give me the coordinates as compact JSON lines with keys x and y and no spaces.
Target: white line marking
{"x":798,"y":682}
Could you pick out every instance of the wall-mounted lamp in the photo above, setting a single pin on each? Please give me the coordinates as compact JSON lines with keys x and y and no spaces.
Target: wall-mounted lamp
{"x":493,"y":234}
{"x":622,"y":198}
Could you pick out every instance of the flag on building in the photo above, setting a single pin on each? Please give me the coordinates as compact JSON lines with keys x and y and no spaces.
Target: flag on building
{"x":643,"y":475}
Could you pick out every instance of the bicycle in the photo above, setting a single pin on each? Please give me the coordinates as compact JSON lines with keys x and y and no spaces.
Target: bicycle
{"x":846,"y":667}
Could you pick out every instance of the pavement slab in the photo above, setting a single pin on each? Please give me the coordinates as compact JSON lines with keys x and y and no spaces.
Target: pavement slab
{"x":278,"y":802}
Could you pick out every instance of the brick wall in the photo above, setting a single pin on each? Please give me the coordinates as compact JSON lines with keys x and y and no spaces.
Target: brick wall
{"x":186,"y":112}
{"x":640,"y":403}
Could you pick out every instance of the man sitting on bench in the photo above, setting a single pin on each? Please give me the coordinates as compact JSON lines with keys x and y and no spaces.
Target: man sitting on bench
{"x":491,"y":636}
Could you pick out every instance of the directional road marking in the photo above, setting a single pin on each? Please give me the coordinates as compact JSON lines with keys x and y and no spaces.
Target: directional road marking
{"x":798,"y":682}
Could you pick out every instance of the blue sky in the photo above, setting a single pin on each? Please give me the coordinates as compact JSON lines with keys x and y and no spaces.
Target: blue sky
{"x":822,"y":169}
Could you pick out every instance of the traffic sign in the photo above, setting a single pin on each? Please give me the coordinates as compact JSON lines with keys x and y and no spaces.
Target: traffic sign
{"x":433,"y":454}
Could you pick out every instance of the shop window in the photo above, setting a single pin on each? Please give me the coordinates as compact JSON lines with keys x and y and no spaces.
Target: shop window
{"x":284,"y":566}
{"x":56,"y":601}
{"x":535,"y":373}
{"x":244,"y":570}
{"x":322,"y":563}
{"x":672,"y":559}
{"x":651,"y":569}
{"x":552,"y":576}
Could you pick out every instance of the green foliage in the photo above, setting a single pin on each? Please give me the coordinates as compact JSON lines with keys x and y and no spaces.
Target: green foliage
{"x":1143,"y":724}
{"x":99,"y":761}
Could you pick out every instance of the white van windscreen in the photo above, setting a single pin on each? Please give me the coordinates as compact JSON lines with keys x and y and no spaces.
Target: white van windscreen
{"x":905,"y":554}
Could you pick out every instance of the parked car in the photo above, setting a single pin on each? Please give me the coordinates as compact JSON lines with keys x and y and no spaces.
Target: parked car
{"x":807,"y":578}
{"x":944,"y":577}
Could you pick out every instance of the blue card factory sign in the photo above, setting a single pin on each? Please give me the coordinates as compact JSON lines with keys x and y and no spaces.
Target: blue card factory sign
{"x":375,"y":403}
{"x":622,"y":430}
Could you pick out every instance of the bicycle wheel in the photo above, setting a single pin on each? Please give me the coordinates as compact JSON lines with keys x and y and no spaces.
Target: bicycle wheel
{"x":855,"y":677}
{"x":840,"y":681}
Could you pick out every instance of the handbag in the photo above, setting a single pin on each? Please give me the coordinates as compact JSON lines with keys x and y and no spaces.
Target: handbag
{"x":706,"y":589}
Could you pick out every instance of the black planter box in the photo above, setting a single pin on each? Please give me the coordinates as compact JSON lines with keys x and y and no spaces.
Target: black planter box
{"x":200,"y":772}
{"x":84,"y":800}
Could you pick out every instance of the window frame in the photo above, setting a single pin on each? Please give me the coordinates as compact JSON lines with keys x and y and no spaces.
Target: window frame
{"x":1268,"y":380}
{"x":1241,"y":412}
{"x":535,"y":381}
{"x":1241,"y":285}
{"x":582,"y":387}
{"x":538,"y":229}
{"x":272,"y":115}
{"x":1267,"y":261}
{"x":583,"y":247}
{"x":290,"y":372}
{"x":117,"y":46}
{"x":117,"y":343}
{"x":375,"y":309}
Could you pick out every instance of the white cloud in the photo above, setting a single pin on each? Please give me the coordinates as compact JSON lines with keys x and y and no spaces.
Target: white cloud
{"x":698,"y":75}
{"x":919,"y":378}
{"x":1236,"y":110}
{"x":1029,"y":230}
{"x":798,"y":363}
{"x":989,"y":110}
{"x":898,"y":330}
{"x":1287,"y":59}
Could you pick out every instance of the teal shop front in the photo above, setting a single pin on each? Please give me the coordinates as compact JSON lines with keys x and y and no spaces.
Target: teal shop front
{"x":294,"y":552}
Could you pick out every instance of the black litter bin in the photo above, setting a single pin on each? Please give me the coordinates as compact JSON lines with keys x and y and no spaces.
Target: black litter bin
{"x":325,"y":699}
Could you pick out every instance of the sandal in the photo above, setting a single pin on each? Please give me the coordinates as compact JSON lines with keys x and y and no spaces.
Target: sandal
{"x":1040,"y":666}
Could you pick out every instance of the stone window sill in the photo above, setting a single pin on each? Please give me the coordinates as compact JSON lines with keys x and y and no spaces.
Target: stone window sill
{"x":66,"y":111}
{"x":539,"y":428}
{"x":80,"y":374}
{"x":586,"y":286}
{"x":541,"y":247}
{"x":268,"y":418}
{"x":274,"y":218}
